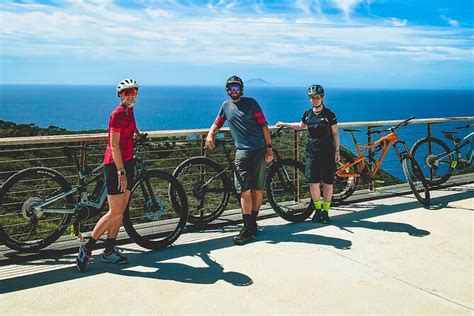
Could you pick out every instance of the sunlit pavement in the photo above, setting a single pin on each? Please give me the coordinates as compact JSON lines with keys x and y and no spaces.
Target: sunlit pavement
{"x":385,"y":256}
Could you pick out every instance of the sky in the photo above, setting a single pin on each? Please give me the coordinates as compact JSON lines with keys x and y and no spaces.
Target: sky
{"x":339,"y":43}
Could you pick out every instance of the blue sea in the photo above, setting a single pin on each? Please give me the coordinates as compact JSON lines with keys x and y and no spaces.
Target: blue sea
{"x":187,"y":107}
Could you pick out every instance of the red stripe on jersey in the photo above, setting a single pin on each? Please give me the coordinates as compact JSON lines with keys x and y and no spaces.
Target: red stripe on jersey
{"x":219,"y":121}
{"x":258,"y":114}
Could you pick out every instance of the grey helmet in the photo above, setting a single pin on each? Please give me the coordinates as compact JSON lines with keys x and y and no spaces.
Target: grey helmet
{"x":234,"y":80}
{"x":127,"y":84}
{"x":315,"y":89}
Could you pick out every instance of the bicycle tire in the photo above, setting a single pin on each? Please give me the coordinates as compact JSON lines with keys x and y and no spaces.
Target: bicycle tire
{"x":280,"y":188}
{"x":412,"y":172}
{"x":22,"y":228}
{"x":154,"y":222}
{"x":344,"y":187}
{"x":434,"y":175}
{"x":206,"y":203}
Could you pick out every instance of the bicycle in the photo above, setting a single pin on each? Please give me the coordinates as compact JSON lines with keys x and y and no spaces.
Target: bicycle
{"x":208,"y":186}
{"x":38,"y":204}
{"x":438,"y":161}
{"x":350,"y":170}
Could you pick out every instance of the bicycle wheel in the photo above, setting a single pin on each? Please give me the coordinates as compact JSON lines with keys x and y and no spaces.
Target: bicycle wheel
{"x":435,"y":171}
{"x":207,"y":187}
{"x":287,"y":191}
{"x":23,"y":228}
{"x":343,"y":187}
{"x":416,"y":180}
{"x":154,"y":220}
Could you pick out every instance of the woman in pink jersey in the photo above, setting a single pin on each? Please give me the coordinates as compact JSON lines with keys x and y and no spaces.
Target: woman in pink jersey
{"x":118,"y":173}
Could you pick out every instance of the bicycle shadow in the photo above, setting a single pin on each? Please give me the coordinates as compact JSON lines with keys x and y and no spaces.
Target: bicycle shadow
{"x":358,"y":218}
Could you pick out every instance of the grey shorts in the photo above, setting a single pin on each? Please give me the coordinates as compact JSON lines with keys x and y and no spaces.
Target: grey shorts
{"x":250,"y":165}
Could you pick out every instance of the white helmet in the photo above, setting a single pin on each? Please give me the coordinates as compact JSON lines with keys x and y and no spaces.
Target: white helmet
{"x":126,"y":84}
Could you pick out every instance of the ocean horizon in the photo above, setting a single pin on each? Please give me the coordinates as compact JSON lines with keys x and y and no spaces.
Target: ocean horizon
{"x":169,"y":107}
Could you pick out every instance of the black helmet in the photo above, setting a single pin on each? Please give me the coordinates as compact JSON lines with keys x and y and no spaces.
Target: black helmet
{"x":232,"y":81}
{"x":315,"y":89}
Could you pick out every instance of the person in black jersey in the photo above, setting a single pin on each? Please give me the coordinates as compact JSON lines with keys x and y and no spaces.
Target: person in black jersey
{"x":322,"y":151}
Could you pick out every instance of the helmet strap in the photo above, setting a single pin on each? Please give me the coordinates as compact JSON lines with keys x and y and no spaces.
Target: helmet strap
{"x":318,"y":108}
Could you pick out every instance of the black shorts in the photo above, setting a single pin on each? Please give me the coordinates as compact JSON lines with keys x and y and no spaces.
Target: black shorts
{"x":320,"y":164}
{"x":111,"y":177}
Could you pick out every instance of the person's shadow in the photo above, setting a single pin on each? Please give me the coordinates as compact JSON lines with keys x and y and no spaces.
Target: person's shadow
{"x":180,"y":272}
{"x":293,"y":232}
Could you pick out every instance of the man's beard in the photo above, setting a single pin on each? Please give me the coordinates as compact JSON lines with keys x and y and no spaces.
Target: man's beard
{"x":235,"y":96}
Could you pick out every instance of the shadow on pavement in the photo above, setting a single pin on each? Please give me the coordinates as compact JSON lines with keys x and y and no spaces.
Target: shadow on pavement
{"x":151,"y":264}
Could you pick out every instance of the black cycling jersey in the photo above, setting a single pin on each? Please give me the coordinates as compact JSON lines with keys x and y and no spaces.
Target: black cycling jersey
{"x":319,"y":124}
{"x":319,"y":158}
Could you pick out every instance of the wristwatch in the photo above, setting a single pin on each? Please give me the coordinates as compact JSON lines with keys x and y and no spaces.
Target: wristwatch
{"x":121,"y":172}
{"x":268,"y":146}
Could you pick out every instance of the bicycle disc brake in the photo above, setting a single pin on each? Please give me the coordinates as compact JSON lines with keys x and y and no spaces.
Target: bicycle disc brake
{"x":153,"y":209}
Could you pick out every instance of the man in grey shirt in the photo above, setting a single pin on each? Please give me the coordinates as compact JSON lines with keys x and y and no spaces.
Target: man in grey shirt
{"x":251,"y":136}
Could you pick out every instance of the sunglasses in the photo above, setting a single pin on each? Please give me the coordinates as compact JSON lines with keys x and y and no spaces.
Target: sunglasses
{"x":234,"y":89}
{"x":129,"y":92}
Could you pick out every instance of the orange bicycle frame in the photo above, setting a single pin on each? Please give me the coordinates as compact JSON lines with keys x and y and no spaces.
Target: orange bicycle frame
{"x":383,"y":144}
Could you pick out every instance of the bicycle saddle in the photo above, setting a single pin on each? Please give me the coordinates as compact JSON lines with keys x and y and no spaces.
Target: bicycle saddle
{"x":448,"y":134}
{"x":350,"y":130}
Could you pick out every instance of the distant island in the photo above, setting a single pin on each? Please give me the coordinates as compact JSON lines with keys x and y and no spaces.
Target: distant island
{"x":258,"y":82}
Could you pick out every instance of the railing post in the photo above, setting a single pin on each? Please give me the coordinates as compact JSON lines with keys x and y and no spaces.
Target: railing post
{"x":371,"y":182}
{"x":296,"y":156}
{"x":203,"y":143}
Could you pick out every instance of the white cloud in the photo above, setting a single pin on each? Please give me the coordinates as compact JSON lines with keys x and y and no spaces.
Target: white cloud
{"x":346,"y":6}
{"x":398,"y":22}
{"x":176,"y":33}
{"x":452,"y":22}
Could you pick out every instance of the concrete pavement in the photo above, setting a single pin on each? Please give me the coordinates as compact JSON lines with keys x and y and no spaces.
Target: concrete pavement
{"x":385,"y":256}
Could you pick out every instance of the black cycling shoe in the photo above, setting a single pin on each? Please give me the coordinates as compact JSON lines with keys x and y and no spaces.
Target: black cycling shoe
{"x":325,"y":218}
{"x":244,"y":236}
{"x":317,"y":217}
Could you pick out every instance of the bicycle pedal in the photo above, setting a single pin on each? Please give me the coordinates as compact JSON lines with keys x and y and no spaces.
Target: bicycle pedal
{"x":80,"y":237}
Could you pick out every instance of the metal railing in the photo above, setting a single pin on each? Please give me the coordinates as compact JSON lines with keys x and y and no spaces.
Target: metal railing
{"x":173,"y":147}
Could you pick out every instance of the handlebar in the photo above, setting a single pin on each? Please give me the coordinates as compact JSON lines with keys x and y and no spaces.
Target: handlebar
{"x":141,"y":140}
{"x":277,"y":133}
{"x":144,"y":141}
{"x":404,"y":123}
{"x":390,"y":129}
{"x":464,"y":126}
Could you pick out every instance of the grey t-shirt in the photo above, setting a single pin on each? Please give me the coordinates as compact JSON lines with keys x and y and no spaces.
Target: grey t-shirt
{"x":245,"y":119}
